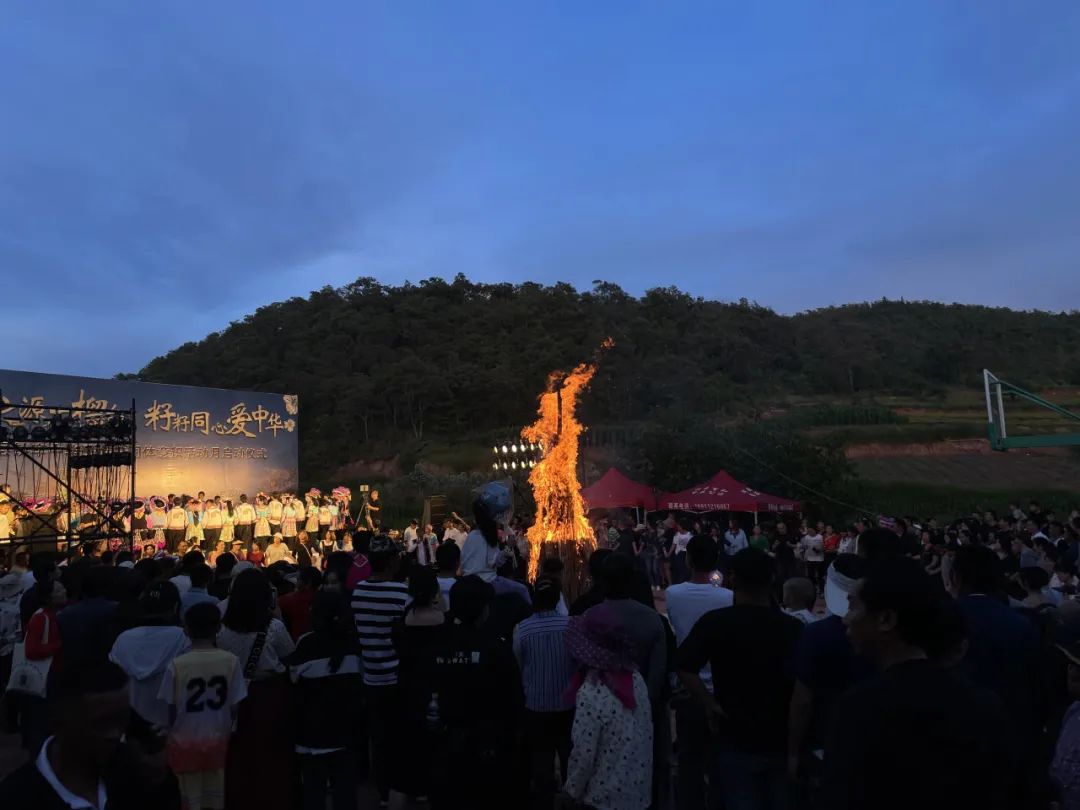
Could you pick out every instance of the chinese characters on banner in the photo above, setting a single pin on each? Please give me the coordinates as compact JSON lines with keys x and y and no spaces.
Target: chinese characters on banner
{"x":240,"y":422}
{"x":32,"y":408}
{"x":165,"y":451}
{"x":187,"y":438}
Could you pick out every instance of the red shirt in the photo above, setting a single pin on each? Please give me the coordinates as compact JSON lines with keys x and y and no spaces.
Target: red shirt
{"x":832,"y":543}
{"x":39,"y":644}
{"x":296,"y":611}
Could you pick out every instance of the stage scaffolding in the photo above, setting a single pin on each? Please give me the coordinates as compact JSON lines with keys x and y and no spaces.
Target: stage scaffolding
{"x":71,"y":473}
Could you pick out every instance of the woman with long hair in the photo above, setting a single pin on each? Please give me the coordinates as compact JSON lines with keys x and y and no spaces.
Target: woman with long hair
{"x":416,"y":637}
{"x":262,"y":521}
{"x":219,"y":549}
{"x":328,"y":697}
{"x":43,"y":645}
{"x":227,"y":516}
{"x":261,"y":749}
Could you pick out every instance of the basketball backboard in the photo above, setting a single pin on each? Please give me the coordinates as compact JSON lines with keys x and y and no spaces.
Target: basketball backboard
{"x":998,"y":394}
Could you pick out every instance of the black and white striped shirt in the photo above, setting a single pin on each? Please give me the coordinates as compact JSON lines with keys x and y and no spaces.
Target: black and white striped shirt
{"x":376,"y":606}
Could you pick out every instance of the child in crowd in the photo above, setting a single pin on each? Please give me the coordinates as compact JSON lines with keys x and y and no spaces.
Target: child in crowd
{"x":799,"y":598}
{"x":202,"y":688}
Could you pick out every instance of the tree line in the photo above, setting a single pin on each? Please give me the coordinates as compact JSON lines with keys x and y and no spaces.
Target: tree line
{"x":377,"y":366}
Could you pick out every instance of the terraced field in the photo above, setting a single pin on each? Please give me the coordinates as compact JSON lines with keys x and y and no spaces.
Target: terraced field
{"x":1013,"y":471}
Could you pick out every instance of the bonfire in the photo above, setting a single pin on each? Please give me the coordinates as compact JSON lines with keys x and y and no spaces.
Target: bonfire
{"x":561,"y":528}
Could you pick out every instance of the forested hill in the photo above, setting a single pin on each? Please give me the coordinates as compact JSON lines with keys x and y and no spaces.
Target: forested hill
{"x":375,"y":365}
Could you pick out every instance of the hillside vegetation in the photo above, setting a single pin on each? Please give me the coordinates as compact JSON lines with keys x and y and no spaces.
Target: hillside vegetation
{"x":390,"y":369}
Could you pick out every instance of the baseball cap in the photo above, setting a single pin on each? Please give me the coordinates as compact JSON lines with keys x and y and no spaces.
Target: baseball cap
{"x":159,"y":599}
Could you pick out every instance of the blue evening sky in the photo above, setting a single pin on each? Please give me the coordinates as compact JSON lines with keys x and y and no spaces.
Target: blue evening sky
{"x":167,"y":167}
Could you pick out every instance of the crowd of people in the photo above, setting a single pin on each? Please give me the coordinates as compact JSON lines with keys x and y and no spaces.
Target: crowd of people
{"x":899,"y":665}
{"x":174,"y":521}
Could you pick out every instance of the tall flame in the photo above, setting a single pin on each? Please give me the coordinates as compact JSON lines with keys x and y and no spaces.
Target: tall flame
{"x":560,"y":510}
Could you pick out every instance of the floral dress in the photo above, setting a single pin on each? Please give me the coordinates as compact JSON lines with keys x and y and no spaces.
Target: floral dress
{"x":156,"y":521}
{"x":194,"y":522}
{"x":262,"y":521}
{"x":288,"y":521}
{"x":226,"y":527}
{"x":312,"y":526}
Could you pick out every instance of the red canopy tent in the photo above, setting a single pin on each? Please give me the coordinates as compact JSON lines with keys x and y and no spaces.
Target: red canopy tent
{"x":722,"y":493}
{"x":614,"y":491}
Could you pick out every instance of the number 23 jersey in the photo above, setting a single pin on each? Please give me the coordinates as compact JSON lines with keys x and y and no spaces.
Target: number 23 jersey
{"x":203,"y":685}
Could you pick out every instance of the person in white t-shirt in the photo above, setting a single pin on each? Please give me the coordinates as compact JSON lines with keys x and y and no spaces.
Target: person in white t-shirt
{"x":686,"y":603}
{"x":679,"y":541}
{"x":453,"y":534}
{"x":409,"y":536}
{"x":176,"y":522}
{"x":244,"y":522}
{"x":813,"y":550}
{"x":734,"y":539}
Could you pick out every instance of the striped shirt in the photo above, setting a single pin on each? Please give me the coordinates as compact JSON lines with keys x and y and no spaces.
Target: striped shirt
{"x":546,"y":666}
{"x":376,"y":606}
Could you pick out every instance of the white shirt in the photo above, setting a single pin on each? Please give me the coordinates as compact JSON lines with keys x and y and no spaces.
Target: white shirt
{"x":689,"y":601}
{"x":848,"y":545}
{"x":244,"y":514}
{"x":182,"y":583}
{"x":410,"y":538}
{"x":679,"y":542}
{"x":176,"y":519}
{"x":805,"y":616}
{"x":65,"y":795}
{"x":279,"y":645}
{"x":445,"y":584}
{"x":736,"y":541}
{"x":813,"y":547}
{"x":455,"y":534}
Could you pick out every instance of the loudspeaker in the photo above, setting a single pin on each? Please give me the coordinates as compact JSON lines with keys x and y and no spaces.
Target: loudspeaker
{"x":435,"y":508}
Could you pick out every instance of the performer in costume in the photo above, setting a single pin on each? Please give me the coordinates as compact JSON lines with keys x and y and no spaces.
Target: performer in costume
{"x":276,"y":510}
{"x":139,"y":524}
{"x":212,"y":523}
{"x":312,"y":524}
{"x":227,"y":516}
{"x":176,"y":522}
{"x":244,"y":522}
{"x":157,"y":521}
{"x":194,"y":535}
{"x":324,"y":517}
{"x":288,"y":520}
{"x":262,"y":522}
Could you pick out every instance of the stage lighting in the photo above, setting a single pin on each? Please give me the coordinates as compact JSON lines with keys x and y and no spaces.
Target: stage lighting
{"x":38,"y":433}
{"x":506,"y":466}
{"x":504,"y":449}
{"x":496,"y":450}
{"x":495,"y":465}
{"x":513,"y":448}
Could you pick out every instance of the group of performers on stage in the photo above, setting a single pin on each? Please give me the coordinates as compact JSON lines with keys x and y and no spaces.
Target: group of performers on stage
{"x":200,"y":521}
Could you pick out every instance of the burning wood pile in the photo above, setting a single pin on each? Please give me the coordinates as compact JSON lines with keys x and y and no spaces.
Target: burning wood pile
{"x":561,"y":528}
